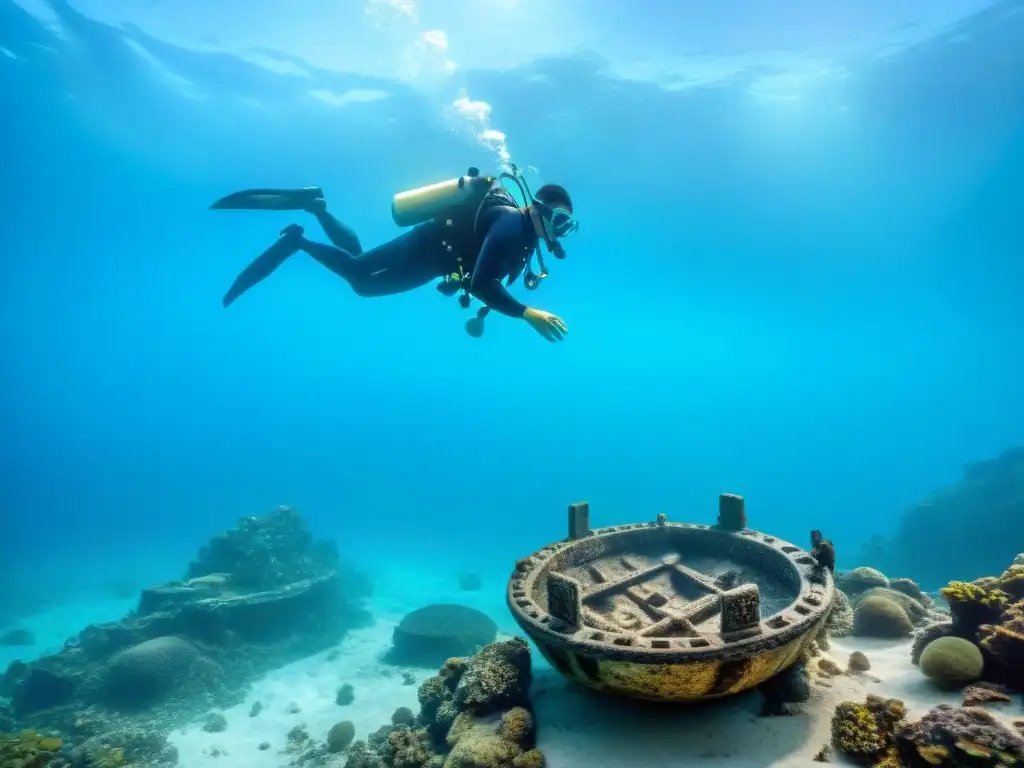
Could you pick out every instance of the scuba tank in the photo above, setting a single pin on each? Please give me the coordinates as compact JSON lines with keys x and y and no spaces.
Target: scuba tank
{"x":419,"y":205}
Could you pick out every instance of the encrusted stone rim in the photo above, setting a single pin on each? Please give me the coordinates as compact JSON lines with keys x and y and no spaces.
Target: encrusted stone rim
{"x":810,"y":607}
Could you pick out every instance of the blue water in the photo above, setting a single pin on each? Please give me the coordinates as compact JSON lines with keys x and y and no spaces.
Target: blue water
{"x":798,"y":276}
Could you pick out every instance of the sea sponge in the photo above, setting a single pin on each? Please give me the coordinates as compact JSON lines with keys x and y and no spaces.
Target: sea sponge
{"x":860,"y":579}
{"x":881,"y":617}
{"x":964,"y":736}
{"x":951,"y":661}
{"x":973,"y":603}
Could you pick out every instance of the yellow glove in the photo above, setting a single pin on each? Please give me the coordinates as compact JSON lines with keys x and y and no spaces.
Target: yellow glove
{"x":547,"y":325}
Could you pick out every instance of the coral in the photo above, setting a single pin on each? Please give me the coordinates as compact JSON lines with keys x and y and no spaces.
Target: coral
{"x":973,"y":604}
{"x":1003,"y":644}
{"x":517,"y":726}
{"x":361,"y":756}
{"x":1012,"y":581}
{"x":867,"y":732}
{"x":880,"y":617}
{"x":127,"y":746}
{"x":429,"y":635}
{"x":340,"y":736}
{"x":925,"y":635}
{"x":951,"y":661}
{"x":28,"y":749}
{"x":860,"y":579}
{"x":532,"y":758}
{"x":840,"y":618}
{"x":146,"y":673}
{"x":407,"y":748}
{"x":910,"y":588}
{"x":269,"y":552}
{"x":914,"y":609}
{"x":478,"y":745}
{"x":403,"y":716}
{"x":858,"y":662}
{"x":968,"y":736}
{"x":497,"y":678}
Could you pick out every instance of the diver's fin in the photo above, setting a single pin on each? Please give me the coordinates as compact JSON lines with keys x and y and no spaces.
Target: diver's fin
{"x":269,"y":199}
{"x":264,"y":264}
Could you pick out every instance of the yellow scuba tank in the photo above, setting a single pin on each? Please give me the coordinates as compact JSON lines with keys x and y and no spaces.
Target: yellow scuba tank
{"x":419,"y":205}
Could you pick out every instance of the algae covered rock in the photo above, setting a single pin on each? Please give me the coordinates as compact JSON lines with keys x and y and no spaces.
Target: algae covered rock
{"x":881,"y":617}
{"x":497,"y":678}
{"x":952,"y":661}
{"x":867,"y":731}
{"x":965,"y":736}
{"x":840,"y":618}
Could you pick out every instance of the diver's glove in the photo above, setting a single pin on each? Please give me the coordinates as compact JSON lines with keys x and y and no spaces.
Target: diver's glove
{"x":547,"y":325}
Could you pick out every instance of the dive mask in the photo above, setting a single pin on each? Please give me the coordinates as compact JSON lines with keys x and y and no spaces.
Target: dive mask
{"x":558,"y":222}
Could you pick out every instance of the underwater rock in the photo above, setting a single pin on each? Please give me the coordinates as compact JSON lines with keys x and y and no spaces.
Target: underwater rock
{"x":126,"y":746}
{"x":985,"y":693}
{"x":496,"y":678}
{"x":791,"y":686}
{"x":16,"y":637}
{"x":475,"y":713}
{"x":429,"y":635}
{"x":224,"y":633}
{"x":858,"y":662}
{"x":345,"y":696}
{"x":914,"y":609}
{"x":966,"y":736}
{"x":215,"y":722}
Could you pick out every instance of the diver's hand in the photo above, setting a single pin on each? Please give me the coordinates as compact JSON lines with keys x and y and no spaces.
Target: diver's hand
{"x":547,"y":325}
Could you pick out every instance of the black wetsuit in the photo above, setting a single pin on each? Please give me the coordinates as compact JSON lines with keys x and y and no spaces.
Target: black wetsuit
{"x":495,"y":248}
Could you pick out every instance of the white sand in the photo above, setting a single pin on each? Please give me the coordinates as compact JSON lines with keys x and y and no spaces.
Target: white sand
{"x":579,"y":729}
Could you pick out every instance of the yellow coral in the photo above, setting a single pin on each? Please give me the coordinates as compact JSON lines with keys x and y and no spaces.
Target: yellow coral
{"x":968,"y":592}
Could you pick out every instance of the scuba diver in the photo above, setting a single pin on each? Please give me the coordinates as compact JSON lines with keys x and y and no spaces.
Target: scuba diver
{"x":469,"y":232}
